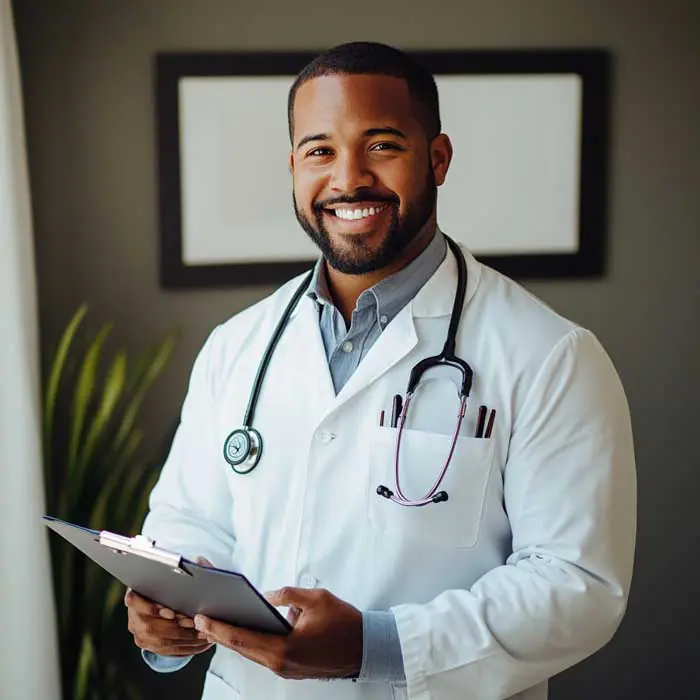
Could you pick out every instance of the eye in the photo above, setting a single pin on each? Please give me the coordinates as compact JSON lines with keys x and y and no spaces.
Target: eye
{"x":386,"y":146}
{"x":319,"y":151}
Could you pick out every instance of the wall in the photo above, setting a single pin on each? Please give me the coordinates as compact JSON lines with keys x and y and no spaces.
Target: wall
{"x":89,"y":109}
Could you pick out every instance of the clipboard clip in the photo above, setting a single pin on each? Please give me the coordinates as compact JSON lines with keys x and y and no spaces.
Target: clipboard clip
{"x":141,"y":546}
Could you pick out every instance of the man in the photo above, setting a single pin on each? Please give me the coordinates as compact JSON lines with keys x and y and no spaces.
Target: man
{"x":524,"y":569}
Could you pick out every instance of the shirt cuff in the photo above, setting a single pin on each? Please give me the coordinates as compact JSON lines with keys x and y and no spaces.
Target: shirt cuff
{"x":164,"y":664}
{"x":382,"y":659}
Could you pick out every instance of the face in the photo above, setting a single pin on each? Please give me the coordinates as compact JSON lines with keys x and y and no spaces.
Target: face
{"x":365,"y":175}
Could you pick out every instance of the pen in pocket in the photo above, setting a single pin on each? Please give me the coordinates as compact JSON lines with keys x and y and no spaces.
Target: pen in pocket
{"x":489,"y":425}
{"x":397,"y":404}
{"x":481,"y":422}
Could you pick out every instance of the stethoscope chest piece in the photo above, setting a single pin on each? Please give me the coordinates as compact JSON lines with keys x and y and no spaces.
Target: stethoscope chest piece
{"x":242,"y":449}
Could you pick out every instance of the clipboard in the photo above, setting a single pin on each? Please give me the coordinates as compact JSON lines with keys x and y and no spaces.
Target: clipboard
{"x":170,"y":580}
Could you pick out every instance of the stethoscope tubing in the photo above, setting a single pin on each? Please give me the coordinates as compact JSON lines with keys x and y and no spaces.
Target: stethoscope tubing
{"x":243,"y":463}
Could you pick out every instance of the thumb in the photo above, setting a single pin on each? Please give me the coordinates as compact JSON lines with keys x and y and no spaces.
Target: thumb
{"x":202,"y":561}
{"x":290,"y":597}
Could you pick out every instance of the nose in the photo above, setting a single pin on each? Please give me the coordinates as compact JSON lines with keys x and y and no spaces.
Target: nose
{"x":350,"y":173}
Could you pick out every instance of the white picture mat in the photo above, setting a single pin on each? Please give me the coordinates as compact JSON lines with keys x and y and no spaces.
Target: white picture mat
{"x":512,"y":187}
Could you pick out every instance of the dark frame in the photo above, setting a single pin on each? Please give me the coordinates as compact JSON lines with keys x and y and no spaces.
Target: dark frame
{"x":592,"y":65}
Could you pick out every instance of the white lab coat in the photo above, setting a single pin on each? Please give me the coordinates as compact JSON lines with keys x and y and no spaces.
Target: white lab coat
{"x":523,"y":572}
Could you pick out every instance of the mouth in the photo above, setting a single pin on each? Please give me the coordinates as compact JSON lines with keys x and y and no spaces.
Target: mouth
{"x":356,"y":217}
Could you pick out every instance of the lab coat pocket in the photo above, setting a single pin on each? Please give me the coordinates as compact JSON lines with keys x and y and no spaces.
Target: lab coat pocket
{"x":216,"y":688}
{"x":451,"y":523}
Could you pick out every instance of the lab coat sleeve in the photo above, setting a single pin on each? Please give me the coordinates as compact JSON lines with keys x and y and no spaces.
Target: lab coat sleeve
{"x":191,"y":505}
{"x":570,"y":495}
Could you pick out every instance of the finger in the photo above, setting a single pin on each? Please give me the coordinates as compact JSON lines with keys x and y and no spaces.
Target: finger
{"x":166,"y":613}
{"x":186,"y":622}
{"x":293,"y":615}
{"x":141,"y":605}
{"x":162,"y":642}
{"x":290,"y":596}
{"x":155,"y":628}
{"x":236,"y":637}
{"x":202,"y":561}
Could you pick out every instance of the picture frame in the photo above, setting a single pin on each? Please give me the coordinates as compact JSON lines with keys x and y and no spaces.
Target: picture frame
{"x":528,"y":197}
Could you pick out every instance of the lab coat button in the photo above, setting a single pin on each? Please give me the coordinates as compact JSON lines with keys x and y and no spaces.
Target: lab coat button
{"x":308,"y":581}
{"x":326,"y":437}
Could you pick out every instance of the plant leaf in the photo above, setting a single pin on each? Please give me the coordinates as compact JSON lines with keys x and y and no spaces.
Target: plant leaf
{"x":139,"y":512}
{"x":83,"y":394}
{"x":85,"y":663}
{"x":131,"y":479}
{"x":113,"y":387}
{"x":51,"y":393}
{"x":113,"y":598}
{"x":155,"y":368}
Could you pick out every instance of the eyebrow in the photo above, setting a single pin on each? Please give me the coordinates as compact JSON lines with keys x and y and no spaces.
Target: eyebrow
{"x":375,"y":131}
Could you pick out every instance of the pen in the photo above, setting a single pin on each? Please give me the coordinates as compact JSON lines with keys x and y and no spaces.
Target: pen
{"x":489,"y":425}
{"x":480,"y":422}
{"x":396,"y":410}
{"x":381,"y":419}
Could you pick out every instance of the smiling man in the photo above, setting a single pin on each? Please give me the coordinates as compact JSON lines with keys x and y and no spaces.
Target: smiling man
{"x":483,"y":556}
{"x":367,"y":159}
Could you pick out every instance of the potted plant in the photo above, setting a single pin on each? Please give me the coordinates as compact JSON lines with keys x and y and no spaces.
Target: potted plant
{"x":95,"y":476}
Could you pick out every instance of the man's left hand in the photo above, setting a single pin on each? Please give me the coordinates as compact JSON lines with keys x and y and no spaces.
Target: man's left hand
{"x":326,"y":641}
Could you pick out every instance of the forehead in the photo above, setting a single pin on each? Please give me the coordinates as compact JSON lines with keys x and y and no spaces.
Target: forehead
{"x":344,"y":103}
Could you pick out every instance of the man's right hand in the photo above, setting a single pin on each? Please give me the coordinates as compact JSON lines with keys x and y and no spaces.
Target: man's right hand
{"x":160,"y":630}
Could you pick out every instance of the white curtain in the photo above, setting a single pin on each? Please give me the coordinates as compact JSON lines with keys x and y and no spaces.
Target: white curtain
{"x":28,"y":650}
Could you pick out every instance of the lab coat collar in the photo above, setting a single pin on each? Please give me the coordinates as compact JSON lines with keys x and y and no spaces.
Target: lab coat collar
{"x":435,"y":299}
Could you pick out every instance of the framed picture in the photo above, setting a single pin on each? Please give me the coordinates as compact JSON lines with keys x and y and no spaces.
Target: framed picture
{"x":526,"y":191}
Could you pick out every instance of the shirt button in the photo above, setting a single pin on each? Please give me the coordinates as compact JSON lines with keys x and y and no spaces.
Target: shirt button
{"x":383,"y":320}
{"x":347,"y":346}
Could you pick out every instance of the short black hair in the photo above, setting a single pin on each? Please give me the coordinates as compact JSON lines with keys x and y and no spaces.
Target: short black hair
{"x":372,"y":58}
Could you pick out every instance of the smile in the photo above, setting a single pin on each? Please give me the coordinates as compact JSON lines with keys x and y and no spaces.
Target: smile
{"x":357,"y":213}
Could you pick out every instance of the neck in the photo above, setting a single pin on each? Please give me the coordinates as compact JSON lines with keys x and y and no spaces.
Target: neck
{"x":346,"y":289}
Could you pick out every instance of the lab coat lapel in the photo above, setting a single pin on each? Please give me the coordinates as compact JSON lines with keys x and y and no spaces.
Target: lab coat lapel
{"x":310,"y":360}
{"x":399,"y":338}
{"x":394,"y":343}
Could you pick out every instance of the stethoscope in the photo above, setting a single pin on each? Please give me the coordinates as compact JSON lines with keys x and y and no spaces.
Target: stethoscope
{"x":243,"y":447}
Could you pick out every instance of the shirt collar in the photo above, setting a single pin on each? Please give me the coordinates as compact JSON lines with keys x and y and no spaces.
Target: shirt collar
{"x":392,"y":293}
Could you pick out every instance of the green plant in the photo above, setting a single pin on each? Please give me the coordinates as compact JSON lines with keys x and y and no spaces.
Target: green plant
{"x":95,"y":477}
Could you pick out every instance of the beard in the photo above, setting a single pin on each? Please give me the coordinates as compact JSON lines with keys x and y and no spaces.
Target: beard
{"x":359,"y":258}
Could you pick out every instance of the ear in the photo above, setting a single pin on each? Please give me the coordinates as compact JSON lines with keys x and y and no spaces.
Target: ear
{"x":291,"y":162}
{"x":440,"y":157}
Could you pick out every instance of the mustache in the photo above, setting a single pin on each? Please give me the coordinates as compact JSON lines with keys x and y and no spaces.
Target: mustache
{"x":361,"y":196}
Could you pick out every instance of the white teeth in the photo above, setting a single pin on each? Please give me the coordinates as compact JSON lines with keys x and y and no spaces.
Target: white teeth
{"x":354,"y":214}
